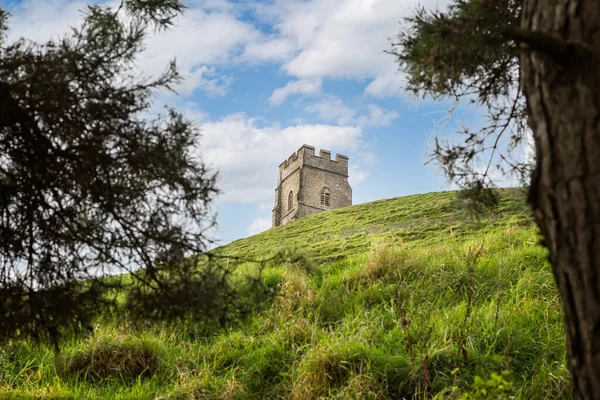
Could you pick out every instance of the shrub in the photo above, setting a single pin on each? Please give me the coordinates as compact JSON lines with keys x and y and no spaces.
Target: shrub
{"x":498,"y":386}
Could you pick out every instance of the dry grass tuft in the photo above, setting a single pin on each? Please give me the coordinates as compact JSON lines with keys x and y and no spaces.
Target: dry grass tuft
{"x":295,"y":292}
{"x":325,"y":372}
{"x":298,"y":331}
{"x":233,"y":390}
{"x":126,"y":361}
{"x":363,"y":386}
{"x":383,"y":259}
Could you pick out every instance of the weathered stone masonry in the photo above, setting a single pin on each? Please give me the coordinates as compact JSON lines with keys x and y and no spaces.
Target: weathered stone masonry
{"x":309,"y":184}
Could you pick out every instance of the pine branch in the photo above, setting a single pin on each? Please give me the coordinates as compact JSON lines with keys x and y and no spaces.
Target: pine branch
{"x":559,"y":50}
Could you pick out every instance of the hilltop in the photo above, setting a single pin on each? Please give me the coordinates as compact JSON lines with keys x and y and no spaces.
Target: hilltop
{"x":390,"y":299}
{"x":420,"y":219}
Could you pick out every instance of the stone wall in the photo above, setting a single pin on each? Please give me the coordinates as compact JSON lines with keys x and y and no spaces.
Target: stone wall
{"x":324,"y":161}
{"x":315,"y":179}
{"x":306,"y":174}
{"x":291,"y":183}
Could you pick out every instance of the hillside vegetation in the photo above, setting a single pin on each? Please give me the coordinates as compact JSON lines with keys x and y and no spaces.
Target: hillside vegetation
{"x":399,"y":298}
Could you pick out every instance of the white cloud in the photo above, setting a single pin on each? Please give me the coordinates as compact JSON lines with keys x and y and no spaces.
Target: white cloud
{"x":341,"y":38}
{"x":202,"y":77}
{"x":247,"y":156}
{"x":313,"y":39}
{"x":356,"y":175}
{"x":193,"y":112}
{"x":333,"y":109}
{"x":259,"y":225}
{"x":267,"y":49}
{"x":303,"y":86}
{"x":386,"y":86}
{"x":377,"y":117}
{"x":344,"y":38}
{"x":202,"y":37}
{"x":40,"y":20}
{"x":200,"y":40}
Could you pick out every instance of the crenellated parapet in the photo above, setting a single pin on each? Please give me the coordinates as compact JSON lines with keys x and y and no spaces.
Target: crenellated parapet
{"x":323,"y":161}
{"x":294,"y":161}
{"x":309,"y":183}
{"x":305,"y":156}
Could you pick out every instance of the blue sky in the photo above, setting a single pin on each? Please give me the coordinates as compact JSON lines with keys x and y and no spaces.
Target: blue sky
{"x":263,"y":78}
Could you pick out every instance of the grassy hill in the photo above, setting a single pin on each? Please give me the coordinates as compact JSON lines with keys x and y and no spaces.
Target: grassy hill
{"x":399,"y":298}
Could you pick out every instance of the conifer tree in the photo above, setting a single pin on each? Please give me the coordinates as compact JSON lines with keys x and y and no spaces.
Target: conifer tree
{"x":91,"y":187}
{"x":533,"y":64}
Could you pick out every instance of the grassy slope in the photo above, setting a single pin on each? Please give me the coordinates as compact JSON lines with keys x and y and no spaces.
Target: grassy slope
{"x":402,"y":297}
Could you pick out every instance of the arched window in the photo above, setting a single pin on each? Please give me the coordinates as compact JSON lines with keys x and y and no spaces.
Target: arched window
{"x":290,"y":200}
{"x":325,"y":196}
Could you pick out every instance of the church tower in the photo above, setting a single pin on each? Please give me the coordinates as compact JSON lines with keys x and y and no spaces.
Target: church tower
{"x":308,"y":184}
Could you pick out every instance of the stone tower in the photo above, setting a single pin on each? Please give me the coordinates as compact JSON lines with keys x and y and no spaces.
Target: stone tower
{"x":309,"y":184}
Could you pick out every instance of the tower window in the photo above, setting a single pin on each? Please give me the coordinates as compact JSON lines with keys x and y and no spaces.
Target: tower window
{"x":291,"y":200}
{"x":325,"y":196}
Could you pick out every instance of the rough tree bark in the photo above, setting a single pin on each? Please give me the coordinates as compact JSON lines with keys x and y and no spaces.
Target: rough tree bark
{"x":563,"y":100}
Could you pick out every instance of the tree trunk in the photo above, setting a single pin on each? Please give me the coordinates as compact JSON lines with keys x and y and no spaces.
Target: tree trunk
{"x":563,"y":100}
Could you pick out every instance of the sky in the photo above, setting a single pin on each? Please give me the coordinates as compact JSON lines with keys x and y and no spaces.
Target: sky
{"x":264,"y":78}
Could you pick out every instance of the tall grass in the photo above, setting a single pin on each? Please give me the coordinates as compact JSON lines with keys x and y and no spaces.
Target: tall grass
{"x":392,"y":299}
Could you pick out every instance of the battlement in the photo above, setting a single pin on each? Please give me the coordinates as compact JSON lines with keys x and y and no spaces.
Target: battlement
{"x":294,"y":157}
{"x":309,"y":183}
{"x":305,"y":155}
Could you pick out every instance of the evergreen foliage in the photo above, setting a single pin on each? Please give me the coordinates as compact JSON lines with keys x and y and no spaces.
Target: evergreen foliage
{"x":467,"y":54}
{"x":530,"y":64}
{"x":89,"y":185}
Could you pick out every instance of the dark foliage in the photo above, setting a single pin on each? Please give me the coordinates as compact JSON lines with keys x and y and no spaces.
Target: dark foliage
{"x":479,"y":48}
{"x":89,"y":186}
{"x":467,"y":53}
{"x":476,"y":200}
{"x":203,"y":290}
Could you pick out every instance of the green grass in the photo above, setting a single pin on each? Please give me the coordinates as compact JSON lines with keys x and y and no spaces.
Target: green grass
{"x":400,"y":298}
